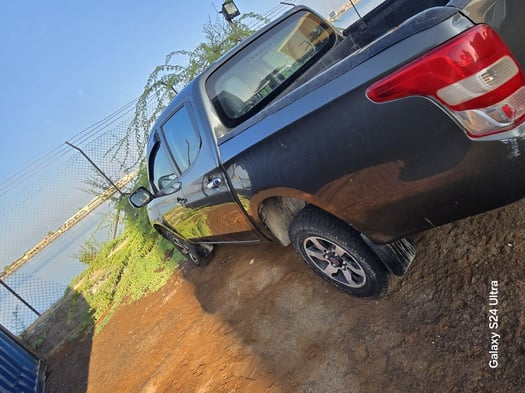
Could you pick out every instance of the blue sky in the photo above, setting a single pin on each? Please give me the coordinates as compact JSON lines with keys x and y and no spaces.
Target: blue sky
{"x":67,"y":64}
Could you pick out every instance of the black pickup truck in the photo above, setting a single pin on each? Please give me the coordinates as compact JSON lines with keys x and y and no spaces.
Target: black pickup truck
{"x":346,"y":143}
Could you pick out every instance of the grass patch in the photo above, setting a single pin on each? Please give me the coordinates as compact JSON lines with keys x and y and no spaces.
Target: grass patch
{"x":137,"y":262}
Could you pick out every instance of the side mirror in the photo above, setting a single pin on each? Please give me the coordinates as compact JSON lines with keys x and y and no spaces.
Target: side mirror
{"x":140,"y":197}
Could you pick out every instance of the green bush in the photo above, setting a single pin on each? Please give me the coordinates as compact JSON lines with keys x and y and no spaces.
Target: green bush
{"x":136,"y":262}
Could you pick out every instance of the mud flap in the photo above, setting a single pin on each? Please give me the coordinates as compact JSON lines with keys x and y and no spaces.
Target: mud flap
{"x":396,"y":256}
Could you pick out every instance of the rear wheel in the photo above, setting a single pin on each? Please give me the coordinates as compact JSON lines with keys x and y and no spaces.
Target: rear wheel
{"x":337,"y":253}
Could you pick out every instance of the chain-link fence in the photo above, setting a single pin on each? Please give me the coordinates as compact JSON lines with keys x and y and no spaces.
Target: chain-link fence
{"x":52,"y":207}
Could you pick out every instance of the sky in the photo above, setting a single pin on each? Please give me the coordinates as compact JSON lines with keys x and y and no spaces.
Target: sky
{"x":64,"y":66}
{"x":68,"y":64}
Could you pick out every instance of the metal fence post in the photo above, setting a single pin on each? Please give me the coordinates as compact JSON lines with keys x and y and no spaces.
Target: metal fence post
{"x":19,"y":297}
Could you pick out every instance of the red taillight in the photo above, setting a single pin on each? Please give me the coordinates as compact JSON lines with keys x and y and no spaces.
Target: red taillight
{"x":474,"y":76}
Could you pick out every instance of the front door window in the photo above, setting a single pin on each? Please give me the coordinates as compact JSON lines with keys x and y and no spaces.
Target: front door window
{"x":163,"y":171}
{"x":182,"y":139}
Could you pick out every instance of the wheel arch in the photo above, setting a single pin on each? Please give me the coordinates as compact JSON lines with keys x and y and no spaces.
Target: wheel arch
{"x":277,"y":214}
{"x":277,"y":211}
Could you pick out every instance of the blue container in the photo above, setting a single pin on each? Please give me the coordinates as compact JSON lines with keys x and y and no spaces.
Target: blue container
{"x":21,"y":370}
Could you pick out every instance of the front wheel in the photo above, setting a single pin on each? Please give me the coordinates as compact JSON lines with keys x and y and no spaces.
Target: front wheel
{"x":196,"y":254}
{"x":337,"y":253}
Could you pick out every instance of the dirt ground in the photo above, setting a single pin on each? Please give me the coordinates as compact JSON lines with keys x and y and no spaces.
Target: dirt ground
{"x":258,"y":320}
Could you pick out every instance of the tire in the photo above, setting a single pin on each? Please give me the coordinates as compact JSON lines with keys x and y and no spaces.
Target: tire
{"x":337,"y":253}
{"x":195,"y":254}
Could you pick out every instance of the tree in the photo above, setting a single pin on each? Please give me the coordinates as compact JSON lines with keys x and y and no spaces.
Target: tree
{"x":137,"y":260}
{"x":168,"y":79}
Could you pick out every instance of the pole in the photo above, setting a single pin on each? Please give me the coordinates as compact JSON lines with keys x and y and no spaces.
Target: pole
{"x":20,"y":298}
{"x":355,"y":9}
{"x":96,"y":167}
{"x":362,"y":24}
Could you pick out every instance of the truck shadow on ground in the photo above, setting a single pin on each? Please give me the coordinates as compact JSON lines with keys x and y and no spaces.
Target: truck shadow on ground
{"x":429,"y":333}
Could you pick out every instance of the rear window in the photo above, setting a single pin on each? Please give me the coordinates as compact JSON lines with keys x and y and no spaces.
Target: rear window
{"x":253,"y":77}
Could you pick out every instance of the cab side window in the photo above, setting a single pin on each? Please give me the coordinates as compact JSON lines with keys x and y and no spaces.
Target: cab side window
{"x":182,"y":138}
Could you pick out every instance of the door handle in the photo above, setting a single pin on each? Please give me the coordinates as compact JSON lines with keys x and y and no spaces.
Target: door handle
{"x":214,"y":183}
{"x":182,"y":201}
